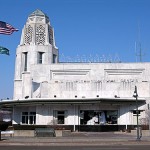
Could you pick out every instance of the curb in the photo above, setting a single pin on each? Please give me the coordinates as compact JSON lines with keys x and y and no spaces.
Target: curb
{"x":68,"y":142}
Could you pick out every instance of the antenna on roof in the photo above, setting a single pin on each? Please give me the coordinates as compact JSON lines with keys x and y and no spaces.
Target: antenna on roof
{"x":138,"y":49}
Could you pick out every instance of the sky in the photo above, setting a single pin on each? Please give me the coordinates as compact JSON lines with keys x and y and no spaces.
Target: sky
{"x":89,"y":28}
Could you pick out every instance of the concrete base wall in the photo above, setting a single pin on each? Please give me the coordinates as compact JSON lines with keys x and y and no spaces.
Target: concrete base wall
{"x":30,"y":133}
{"x":62,"y":132}
{"x":25,"y":133}
{"x":144,"y":132}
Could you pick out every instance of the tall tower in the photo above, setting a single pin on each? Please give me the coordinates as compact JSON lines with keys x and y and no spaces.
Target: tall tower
{"x":37,"y":46}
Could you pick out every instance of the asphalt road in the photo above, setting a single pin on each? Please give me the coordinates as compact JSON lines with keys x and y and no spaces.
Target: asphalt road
{"x":102,"y":147}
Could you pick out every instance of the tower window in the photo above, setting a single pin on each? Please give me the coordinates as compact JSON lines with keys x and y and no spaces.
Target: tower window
{"x":25,"y":55}
{"x":40,"y":57}
{"x":54,"y":58}
{"x":50,"y":30}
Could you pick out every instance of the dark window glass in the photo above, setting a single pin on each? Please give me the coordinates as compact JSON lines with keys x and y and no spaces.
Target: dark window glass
{"x":28,"y":118}
{"x":54,"y":58}
{"x":61,"y":117}
{"x":25,"y":61}
{"x":40,"y":57}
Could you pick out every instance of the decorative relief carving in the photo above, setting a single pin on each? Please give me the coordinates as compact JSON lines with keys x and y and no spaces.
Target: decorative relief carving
{"x":28,"y":34}
{"x":31,"y":19}
{"x":60,"y":74}
{"x":40,"y":35}
{"x":70,"y":86}
{"x":115,"y":72}
{"x":39,"y":19}
{"x":100,"y":81}
{"x":96,"y":85}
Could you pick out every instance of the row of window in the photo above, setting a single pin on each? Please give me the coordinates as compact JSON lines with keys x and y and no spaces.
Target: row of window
{"x":86,"y":117}
{"x":40,"y":57}
{"x":89,"y":117}
{"x":30,"y":117}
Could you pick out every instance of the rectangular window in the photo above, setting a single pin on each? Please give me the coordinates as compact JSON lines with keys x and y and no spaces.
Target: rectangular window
{"x":40,"y":57}
{"x":28,"y":117}
{"x":25,"y":55}
{"x":32,"y":119}
{"x":95,"y":117}
{"x":54,"y":58}
{"x":61,"y":117}
{"x":50,"y":30}
{"x":24,"y":117}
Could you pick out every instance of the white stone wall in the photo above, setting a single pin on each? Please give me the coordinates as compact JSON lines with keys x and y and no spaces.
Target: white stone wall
{"x":72,"y":80}
{"x":90,"y":80}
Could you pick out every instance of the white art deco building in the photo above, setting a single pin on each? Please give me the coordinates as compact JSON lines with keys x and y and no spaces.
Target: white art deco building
{"x":80,"y":96}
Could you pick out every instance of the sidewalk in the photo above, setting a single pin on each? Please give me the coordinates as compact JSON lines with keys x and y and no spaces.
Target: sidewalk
{"x":76,"y":138}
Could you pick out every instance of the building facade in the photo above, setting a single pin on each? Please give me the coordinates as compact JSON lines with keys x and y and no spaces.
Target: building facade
{"x":49,"y":92}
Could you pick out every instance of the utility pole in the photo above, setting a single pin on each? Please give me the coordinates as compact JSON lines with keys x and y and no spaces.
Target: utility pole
{"x":135,"y":95}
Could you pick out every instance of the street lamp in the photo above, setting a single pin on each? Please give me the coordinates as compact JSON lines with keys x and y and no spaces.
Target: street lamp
{"x":135,"y":95}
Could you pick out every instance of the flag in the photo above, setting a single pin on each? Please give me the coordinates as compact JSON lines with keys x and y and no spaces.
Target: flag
{"x":4,"y":50}
{"x":6,"y":28}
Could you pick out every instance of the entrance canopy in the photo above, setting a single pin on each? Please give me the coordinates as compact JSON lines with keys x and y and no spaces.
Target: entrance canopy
{"x":38,"y":101}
